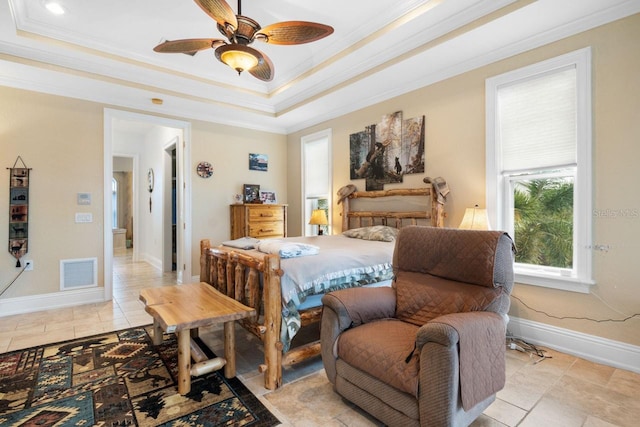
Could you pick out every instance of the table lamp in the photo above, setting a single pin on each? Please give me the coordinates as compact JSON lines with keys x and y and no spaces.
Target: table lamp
{"x":475,"y":219}
{"x":319,"y":217}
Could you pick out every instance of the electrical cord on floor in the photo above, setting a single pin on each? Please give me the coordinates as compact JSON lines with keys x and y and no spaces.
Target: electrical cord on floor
{"x":14,"y":279}
{"x":574,"y":317}
{"x":522,"y":346}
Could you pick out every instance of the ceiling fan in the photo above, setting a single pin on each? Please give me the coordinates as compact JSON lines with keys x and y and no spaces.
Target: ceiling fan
{"x":240,"y":32}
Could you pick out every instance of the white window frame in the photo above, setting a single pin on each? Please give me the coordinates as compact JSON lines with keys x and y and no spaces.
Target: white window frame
{"x":580,"y":277}
{"x":310,"y":201}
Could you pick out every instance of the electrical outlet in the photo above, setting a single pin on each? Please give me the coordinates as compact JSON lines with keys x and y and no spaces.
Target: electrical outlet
{"x":28,"y":265}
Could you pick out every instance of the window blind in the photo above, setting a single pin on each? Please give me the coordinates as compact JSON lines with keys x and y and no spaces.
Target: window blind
{"x":316,"y":167}
{"x":537,"y":120}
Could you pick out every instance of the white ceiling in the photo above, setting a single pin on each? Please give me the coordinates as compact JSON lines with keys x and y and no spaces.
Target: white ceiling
{"x":102,"y":51}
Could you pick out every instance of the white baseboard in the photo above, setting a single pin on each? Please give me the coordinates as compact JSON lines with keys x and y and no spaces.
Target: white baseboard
{"x":589,"y":347}
{"x":29,"y":304}
{"x":154,"y":261}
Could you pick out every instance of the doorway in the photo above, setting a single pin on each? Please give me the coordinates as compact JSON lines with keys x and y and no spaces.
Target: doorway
{"x":170,"y":211}
{"x":122,"y":198}
{"x":149,"y":246}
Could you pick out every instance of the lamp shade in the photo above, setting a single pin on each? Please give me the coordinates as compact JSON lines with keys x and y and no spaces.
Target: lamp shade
{"x":475,"y":219}
{"x":239,"y":57}
{"x":318,"y":217}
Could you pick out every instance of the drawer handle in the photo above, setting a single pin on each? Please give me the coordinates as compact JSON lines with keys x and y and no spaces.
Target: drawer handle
{"x":269,"y":214}
{"x":266,"y":231}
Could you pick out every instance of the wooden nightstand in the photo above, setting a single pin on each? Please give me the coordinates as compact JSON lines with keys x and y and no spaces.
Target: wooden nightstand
{"x":258,"y":221}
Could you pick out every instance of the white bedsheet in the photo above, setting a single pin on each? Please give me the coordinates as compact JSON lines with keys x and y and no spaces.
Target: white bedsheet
{"x":338,"y":256}
{"x":340,"y":262}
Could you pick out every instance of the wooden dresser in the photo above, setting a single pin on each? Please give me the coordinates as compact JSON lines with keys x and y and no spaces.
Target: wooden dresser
{"x":259,"y":221}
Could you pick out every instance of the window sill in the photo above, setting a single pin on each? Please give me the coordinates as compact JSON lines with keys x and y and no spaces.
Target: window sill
{"x":553,"y":281}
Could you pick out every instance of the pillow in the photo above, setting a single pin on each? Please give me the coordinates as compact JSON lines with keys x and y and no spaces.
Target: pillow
{"x":380,"y":233}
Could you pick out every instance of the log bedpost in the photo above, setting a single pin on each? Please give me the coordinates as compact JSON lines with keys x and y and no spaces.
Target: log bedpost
{"x":437,"y":208}
{"x":272,"y":323}
{"x":205,"y":244}
{"x":230,"y":270}
{"x":345,"y":213}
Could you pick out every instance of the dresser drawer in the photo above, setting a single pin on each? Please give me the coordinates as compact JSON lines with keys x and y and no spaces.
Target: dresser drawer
{"x":265,"y":213}
{"x":260,"y":229}
{"x":259,"y":221}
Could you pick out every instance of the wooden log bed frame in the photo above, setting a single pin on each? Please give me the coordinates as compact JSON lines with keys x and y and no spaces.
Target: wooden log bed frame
{"x":253,"y":278}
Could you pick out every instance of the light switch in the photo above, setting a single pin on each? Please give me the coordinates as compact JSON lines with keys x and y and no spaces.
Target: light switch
{"x":84,"y":198}
{"x":84,"y":217}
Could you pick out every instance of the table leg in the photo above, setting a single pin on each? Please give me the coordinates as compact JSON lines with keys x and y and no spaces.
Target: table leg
{"x":184,"y":361}
{"x":157,"y":332}
{"x":230,"y":349}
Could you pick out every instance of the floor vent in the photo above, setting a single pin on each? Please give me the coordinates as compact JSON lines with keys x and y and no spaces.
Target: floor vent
{"x":78,"y":273}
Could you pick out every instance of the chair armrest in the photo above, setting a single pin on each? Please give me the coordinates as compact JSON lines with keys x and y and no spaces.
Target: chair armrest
{"x":346,"y":308}
{"x":442,"y":329}
{"x":355,"y":306}
{"x":462,"y":363}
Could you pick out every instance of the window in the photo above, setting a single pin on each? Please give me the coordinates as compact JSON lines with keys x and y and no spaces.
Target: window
{"x":316,"y":184}
{"x":539,"y":168}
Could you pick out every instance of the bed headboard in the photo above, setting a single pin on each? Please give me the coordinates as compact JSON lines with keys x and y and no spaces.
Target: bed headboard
{"x":395,"y":208}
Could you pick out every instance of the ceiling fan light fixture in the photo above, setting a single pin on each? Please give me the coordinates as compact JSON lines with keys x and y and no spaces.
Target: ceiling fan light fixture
{"x":239,"y":57}
{"x":241,"y":31}
{"x":239,"y":60}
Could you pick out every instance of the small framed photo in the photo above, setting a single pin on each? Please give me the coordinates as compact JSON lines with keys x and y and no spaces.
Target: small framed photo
{"x":268,"y":197}
{"x":251,"y":193}
{"x":258,"y":162}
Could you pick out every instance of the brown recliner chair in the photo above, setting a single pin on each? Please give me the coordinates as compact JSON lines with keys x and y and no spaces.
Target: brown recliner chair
{"x":430,"y":350}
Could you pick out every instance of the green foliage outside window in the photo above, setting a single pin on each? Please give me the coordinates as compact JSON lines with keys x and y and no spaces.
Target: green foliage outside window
{"x":324,"y":205}
{"x":543,"y":222}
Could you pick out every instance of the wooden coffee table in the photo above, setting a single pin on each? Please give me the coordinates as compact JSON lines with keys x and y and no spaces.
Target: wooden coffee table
{"x":182,"y":309}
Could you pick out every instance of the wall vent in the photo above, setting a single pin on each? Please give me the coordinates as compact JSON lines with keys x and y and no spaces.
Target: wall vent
{"x":78,"y":273}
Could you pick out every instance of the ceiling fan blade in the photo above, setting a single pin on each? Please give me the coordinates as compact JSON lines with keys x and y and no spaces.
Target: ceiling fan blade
{"x":188,"y":46}
{"x":264,"y":70}
{"x":220,"y":11}
{"x":293,"y":32}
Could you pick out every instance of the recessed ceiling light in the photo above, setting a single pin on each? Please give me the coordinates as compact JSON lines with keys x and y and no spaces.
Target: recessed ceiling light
{"x":54,"y":7}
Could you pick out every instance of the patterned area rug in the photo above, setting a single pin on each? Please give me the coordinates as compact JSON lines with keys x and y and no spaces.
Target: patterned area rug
{"x":118,"y":379}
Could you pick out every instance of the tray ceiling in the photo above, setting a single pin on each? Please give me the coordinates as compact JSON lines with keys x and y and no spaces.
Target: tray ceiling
{"x":102,"y":51}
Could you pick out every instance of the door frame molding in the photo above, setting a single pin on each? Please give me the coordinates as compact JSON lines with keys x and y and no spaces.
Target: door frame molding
{"x":183,"y":192}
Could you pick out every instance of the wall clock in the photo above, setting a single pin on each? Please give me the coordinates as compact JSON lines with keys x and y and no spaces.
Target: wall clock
{"x":204,"y":169}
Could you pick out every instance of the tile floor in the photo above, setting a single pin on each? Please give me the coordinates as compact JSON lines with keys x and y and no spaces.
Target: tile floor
{"x":559,"y":391}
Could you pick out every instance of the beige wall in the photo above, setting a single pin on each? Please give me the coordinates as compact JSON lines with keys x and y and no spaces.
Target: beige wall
{"x":227,"y":149}
{"x":62,"y":140}
{"x":455,"y":149}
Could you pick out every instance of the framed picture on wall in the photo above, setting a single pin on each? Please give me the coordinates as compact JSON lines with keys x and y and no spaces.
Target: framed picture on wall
{"x":258,"y":162}
{"x":268,"y":197}
{"x":251,"y":193}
